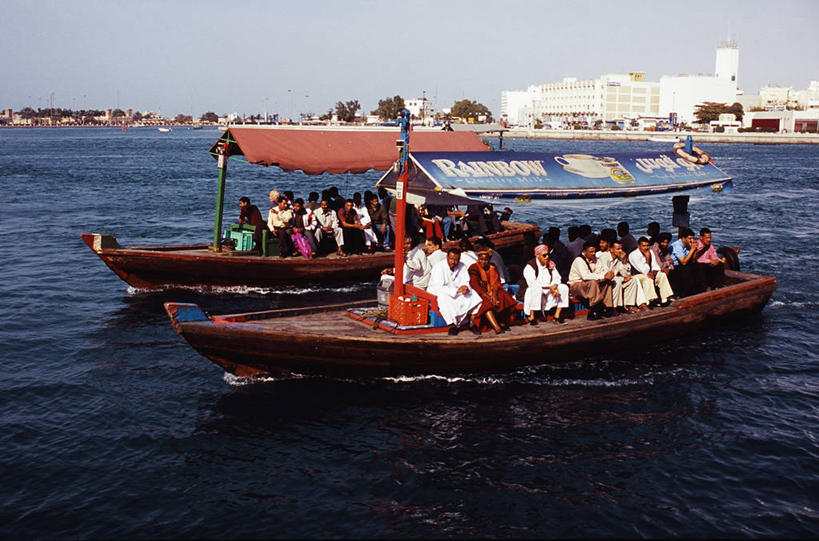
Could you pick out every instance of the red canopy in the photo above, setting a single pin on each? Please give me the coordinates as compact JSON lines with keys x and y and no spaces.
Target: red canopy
{"x":317,"y":150}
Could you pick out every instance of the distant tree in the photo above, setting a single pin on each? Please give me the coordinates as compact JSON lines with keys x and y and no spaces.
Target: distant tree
{"x":327,"y":116}
{"x":182,"y":119}
{"x":346,"y":111}
{"x":708,"y":111}
{"x":470,"y":109}
{"x":118,"y":113}
{"x":210,"y":116}
{"x":28,"y":112}
{"x":137,"y":116}
{"x":388,"y":108}
{"x":737,"y":109}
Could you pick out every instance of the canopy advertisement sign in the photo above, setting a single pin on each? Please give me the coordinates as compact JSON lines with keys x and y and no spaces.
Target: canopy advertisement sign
{"x":538,"y":175}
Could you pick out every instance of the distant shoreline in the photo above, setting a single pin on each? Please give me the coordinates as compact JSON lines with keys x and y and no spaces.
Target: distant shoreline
{"x":578,"y":135}
{"x":608,"y":135}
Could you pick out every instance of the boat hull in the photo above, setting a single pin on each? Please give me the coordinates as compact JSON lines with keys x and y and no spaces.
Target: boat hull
{"x":330,"y":343}
{"x":163,"y":267}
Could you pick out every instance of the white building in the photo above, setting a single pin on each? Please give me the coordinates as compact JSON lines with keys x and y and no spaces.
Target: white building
{"x":726,"y":66}
{"x":517,"y":106}
{"x":609,"y":97}
{"x":682,"y":93}
{"x":421,"y":108}
{"x":614,"y":97}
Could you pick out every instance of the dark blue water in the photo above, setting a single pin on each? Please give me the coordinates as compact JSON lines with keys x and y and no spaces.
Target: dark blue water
{"x":111,"y":426}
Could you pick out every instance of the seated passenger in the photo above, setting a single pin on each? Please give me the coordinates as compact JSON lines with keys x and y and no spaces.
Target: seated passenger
{"x":434,"y":252}
{"x":312,"y":202}
{"x":591,"y":282}
{"x":484,"y":243}
{"x":335,"y":200}
{"x":575,"y":246}
{"x":646,"y":269}
{"x":328,"y":227}
{"x":352,"y":228}
{"x":380,"y":221}
{"x":662,"y":252}
{"x":497,"y":305}
{"x":684,"y":255}
{"x":370,"y":238}
{"x":303,"y":226}
{"x":710,"y":268}
{"x":629,"y":243}
{"x":432,"y":221}
{"x":652,"y":231}
{"x":250,"y":215}
{"x":453,"y":223}
{"x":468,"y":254}
{"x":626,"y":292}
{"x":416,"y":267}
{"x":279,"y":222}
{"x":541,"y":287}
{"x":558,"y":254}
{"x":449,"y":281}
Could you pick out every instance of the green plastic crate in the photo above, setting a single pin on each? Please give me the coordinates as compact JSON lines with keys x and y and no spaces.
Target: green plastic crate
{"x":243,"y":239}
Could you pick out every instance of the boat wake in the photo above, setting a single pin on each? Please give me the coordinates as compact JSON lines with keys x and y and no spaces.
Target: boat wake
{"x":535,"y":376}
{"x":248,"y":290}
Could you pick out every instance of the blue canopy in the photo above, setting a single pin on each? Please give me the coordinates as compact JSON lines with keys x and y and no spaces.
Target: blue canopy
{"x":538,"y":175}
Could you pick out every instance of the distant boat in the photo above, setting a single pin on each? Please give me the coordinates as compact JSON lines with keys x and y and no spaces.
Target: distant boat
{"x":667,"y":139}
{"x":165,"y":130}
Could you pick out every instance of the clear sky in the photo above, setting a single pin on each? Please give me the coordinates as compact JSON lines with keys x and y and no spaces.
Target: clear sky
{"x":183,"y":56}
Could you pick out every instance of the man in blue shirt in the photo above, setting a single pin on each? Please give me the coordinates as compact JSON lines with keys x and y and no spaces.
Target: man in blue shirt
{"x":683,"y":252}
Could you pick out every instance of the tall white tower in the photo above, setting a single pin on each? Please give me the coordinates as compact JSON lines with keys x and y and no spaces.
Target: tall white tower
{"x":727,"y":64}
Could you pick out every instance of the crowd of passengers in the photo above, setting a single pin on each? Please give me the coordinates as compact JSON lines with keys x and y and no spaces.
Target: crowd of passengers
{"x":611,"y":272}
{"x":357,"y":225}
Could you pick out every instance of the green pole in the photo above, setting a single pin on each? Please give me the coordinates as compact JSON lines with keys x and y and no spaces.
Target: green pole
{"x":220,"y":199}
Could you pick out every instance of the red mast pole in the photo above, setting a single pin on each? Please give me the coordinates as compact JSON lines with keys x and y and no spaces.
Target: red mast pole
{"x":401,"y":203}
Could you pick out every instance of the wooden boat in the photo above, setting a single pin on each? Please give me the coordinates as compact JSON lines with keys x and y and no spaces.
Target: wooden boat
{"x":330,"y":340}
{"x":348,"y":340}
{"x":315,"y":151}
{"x":199,"y":266}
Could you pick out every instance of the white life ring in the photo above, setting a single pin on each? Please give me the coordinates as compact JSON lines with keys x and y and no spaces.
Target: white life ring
{"x":699,"y":156}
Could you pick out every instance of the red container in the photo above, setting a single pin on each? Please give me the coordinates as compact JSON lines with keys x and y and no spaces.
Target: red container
{"x":408,"y":312}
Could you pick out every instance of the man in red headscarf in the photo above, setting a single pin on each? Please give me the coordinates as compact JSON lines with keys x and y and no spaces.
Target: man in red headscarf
{"x":497,"y":304}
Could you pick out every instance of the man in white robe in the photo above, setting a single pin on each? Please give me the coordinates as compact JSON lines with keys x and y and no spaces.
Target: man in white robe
{"x":646,"y":268}
{"x":626,"y":292}
{"x":449,"y":281}
{"x":370,"y":238}
{"x":544,"y":289}
{"x":434,"y":252}
{"x":416,"y":267}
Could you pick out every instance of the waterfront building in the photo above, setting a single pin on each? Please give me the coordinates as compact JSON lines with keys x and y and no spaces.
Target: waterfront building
{"x":808,"y":98}
{"x":726,"y":66}
{"x":620,"y":97}
{"x":681,"y":94}
{"x":776,"y":95}
{"x":517,"y":106}
{"x":610,"y":97}
{"x":784,"y":121}
{"x":420,"y":108}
